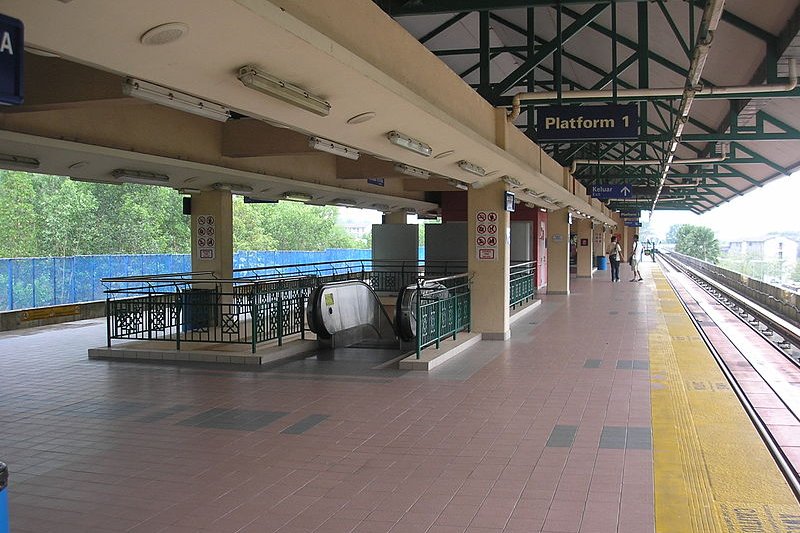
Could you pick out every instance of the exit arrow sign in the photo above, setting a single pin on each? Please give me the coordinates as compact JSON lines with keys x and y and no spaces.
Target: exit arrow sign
{"x":605,"y":192}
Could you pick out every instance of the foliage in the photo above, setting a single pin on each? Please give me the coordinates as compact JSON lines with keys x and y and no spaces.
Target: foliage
{"x":672,"y":233}
{"x":697,"y":241}
{"x":796,"y":273}
{"x":51,"y":216}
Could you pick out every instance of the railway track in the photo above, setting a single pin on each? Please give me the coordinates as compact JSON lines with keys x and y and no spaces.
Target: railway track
{"x":758,"y":354}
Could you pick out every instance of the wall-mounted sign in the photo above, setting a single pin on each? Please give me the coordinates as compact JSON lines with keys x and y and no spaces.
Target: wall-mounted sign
{"x":12,"y":44}
{"x":375,"y":181}
{"x":604,"y":192}
{"x":509,"y":201}
{"x":554,"y":123}
{"x":584,"y":242}
{"x":206,"y":240}
{"x":486,"y":235}
{"x":633,"y":223}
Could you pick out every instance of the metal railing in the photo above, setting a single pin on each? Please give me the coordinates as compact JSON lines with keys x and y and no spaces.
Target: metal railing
{"x":522,"y":283}
{"x":442,"y":309}
{"x":257,"y":305}
{"x":783,"y":302}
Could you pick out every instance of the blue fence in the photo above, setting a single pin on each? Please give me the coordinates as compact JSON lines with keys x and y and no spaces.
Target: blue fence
{"x":42,"y":281}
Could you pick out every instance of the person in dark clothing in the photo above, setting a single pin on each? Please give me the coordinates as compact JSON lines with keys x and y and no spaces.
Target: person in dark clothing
{"x":615,"y":258}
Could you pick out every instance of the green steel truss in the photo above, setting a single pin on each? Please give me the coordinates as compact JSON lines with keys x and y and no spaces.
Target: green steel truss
{"x":583,"y":17}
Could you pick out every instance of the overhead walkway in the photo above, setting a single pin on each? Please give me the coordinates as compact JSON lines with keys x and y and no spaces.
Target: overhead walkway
{"x":591,"y":418}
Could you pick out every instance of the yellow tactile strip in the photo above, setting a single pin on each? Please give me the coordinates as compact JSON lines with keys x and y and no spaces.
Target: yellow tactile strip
{"x":712,"y":471}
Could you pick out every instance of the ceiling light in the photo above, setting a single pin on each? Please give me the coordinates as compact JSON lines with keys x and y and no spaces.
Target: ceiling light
{"x":363,"y":117}
{"x":414,"y":172}
{"x":234,"y":188}
{"x":174,"y":99}
{"x":297,"y":197}
{"x":530,"y":205}
{"x":344,"y":202}
{"x":188,"y":190}
{"x":472,"y":168}
{"x":18,"y":162}
{"x":458,"y":185}
{"x":531,"y":192}
{"x":380,"y":207}
{"x":410,"y":210}
{"x":324,"y":145}
{"x":408,"y":143}
{"x":512,"y":181}
{"x":164,"y":34}
{"x":139,"y":176}
{"x":254,"y":78}
{"x":446,"y":153}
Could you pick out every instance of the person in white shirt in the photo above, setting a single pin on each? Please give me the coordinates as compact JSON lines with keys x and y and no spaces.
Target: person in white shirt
{"x":635,"y":259}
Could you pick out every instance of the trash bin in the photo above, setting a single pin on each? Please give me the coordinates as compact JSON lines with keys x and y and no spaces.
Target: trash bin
{"x":601,"y":262}
{"x":198,"y":309}
{"x":3,"y":498}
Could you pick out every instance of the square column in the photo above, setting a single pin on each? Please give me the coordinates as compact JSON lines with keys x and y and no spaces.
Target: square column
{"x":395,"y":217}
{"x":585,"y":248}
{"x":601,"y":239}
{"x":558,"y":252}
{"x":212,"y":233}
{"x":488,"y":260}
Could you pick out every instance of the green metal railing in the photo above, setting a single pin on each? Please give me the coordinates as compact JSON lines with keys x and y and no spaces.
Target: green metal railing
{"x":522,"y":283}
{"x":442,"y":309}
{"x":257,"y":305}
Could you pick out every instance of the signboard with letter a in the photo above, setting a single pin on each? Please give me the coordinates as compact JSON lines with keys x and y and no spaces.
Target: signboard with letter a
{"x":12,"y":45}
{"x":566,"y":123}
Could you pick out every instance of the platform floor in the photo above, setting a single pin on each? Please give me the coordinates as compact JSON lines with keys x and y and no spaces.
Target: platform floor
{"x":587,"y":420}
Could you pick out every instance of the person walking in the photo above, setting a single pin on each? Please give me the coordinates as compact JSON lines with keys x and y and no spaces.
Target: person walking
{"x":635,"y":259}
{"x":615,"y":258}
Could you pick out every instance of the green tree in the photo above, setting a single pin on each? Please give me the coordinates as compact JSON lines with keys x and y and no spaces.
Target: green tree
{"x":672,"y":233}
{"x":18,"y":214}
{"x":699,"y":242}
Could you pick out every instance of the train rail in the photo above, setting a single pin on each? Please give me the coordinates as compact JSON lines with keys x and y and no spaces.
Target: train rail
{"x":760,"y":364}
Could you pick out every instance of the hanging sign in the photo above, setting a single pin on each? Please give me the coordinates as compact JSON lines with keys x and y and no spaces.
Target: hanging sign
{"x":12,"y":44}
{"x":633,"y":224}
{"x":630,"y":214}
{"x":605,"y":192}
{"x":565,"y":123}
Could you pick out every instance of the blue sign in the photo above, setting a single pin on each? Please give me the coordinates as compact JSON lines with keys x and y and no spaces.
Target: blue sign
{"x":606,"y":192}
{"x":630,"y":214}
{"x":565,"y":123}
{"x":375,"y":181}
{"x":12,"y":50}
{"x":251,"y":200}
{"x":633,"y":223}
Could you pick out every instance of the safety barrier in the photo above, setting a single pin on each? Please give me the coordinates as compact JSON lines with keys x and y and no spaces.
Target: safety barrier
{"x":783,"y":302}
{"x":522,"y":283}
{"x":258,"y":305}
{"x":443,"y":309}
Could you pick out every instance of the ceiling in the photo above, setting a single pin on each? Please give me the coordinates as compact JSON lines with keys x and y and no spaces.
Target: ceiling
{"x":491,"y":46}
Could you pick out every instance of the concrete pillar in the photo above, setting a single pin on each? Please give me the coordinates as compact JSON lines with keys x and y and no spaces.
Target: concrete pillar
{"x":601,"y":239}
{"x":395,"y":217}
{"x":558,"y":252}
{"x":212,"y":233}
{"x":585,"y":247}
{"x":488,"y":260}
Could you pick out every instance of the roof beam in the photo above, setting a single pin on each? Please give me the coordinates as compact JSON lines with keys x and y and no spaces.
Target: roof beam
{"x":400,"y":8}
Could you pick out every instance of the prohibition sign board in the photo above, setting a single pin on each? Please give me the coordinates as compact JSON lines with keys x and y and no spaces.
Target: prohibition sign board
{"x":206,"y":245}
{"x":486,"y":235}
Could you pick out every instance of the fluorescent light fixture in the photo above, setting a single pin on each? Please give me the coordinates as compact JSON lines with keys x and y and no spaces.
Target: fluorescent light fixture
{"x":530,"y":205}
{"x":414,"y":172}
{"x":254,"y":78}
{"x":139,"y":176}
{"x":324,"y":145}
{"x":174,"y":99}
{"x":512,"y":181}
{"x":674,"y":146}
{"x":188,"y":190}
{"x":413,"y":145}
{"x":458,"y":185}
{"x":472,"y":168}
{"x":18,"y":162}
{"x":344,"y":202}
{"x":297,"y":197}
{"x":235,"y":188}
{"x":410,"y":210}
{"x":531,"y":192}
{"x":380,"y":207}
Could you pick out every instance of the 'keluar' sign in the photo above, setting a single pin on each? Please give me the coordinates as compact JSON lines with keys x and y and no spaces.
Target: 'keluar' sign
{"x":564,"y":123}
{"x":12,"y":45}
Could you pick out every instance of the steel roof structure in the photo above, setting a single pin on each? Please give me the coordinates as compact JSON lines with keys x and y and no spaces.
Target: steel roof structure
{"x":505,"y":47}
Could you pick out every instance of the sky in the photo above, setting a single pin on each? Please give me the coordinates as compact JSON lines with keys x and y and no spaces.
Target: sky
{"x":773,"y":207}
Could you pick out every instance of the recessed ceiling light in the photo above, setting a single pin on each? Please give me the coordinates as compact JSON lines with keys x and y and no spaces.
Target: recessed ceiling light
{"x":164,"y":34}
{"x":444,"y":154}
{"x":363,"y":117}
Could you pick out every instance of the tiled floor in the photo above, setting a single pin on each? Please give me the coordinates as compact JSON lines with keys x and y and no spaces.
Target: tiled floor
{"x":547,"y":432}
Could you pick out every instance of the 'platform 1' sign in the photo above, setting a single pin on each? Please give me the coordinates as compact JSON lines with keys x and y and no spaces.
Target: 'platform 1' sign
{"x":12,"y":44}
{"x":554,"y":123}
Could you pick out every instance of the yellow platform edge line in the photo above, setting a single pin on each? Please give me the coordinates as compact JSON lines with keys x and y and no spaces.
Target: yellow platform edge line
{"x":712,"y":472}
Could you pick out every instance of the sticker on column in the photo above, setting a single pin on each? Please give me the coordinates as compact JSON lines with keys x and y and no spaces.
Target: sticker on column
{"x":486,"y":235}
{"x":206,"y":245}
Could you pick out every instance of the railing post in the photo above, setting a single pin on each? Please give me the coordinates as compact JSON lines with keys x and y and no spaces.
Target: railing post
{"x":178,"y":311}
{"x":419,"y":320}
{"x":280,"y":320}
{"x":438,"y":322}
{"x":254,"y":320}
{"x":108,"y":322}
{"x":302,"y":317}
